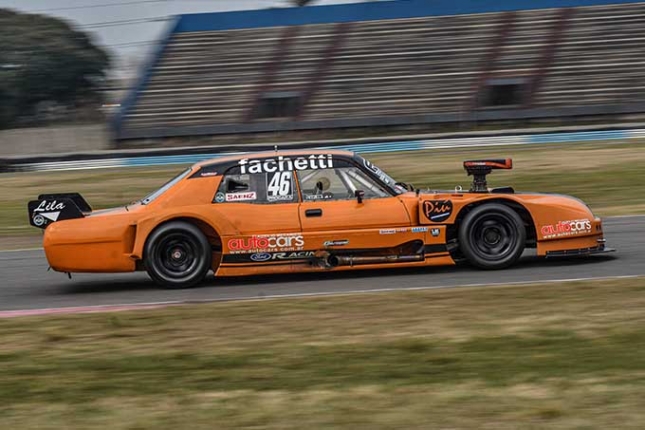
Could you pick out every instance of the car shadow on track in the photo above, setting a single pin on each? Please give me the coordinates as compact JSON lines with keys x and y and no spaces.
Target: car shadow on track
{"x":142,"y":283}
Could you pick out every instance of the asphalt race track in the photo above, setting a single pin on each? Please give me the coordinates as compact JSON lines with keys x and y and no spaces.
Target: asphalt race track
{"x":27,"y":285}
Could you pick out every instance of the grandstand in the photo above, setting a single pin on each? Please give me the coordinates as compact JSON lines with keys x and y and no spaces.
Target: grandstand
{"x":389,"y":64}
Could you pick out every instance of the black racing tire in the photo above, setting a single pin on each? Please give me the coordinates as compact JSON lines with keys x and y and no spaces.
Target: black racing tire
{"x":492,"y":236}
{"x":177,"y":255}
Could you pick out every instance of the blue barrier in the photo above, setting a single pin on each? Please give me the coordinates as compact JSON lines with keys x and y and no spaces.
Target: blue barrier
{"x":366,"y":11}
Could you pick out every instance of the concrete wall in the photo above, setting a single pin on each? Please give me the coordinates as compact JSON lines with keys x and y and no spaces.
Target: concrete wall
{"x":52,"y":140}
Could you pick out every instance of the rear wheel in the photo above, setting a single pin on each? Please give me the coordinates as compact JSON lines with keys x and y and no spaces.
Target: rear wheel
{"x":492,"y":236}
{"x":177,"y":255}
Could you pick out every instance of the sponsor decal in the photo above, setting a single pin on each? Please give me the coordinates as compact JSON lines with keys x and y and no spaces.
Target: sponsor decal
{"x":39,"y":220}
{"x":437,"y":210}
{"x":286,"y":198}
{"x":419,"y":229}
{"x":392,"y":230}
{"x":262,"y":256}
{"x":435,"y":232}
{"x":45,"y":206}
{"x":378,"y":172}
{"x":220,"y":198}
{"x":342,"y":242}
{"x":286,"y":164}
{"x":205,"y":174}
{"x":269,"y":257}
{"x":266,"y":243}
{"x":240,"y":197}
{"x":566,"y":228}
{"x":292,"y":255}
{"x":324,"y":196}
{"x":48,"y":210}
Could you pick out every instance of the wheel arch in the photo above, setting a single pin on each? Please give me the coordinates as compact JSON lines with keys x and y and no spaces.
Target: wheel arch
{"x":519,"y":208}
{"x":210,"y":232}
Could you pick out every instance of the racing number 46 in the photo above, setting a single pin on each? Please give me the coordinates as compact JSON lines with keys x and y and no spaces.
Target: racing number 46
{"x":280,"y":184}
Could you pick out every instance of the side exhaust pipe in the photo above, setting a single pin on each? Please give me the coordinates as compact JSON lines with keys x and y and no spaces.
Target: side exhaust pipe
{"x":355,"y":260}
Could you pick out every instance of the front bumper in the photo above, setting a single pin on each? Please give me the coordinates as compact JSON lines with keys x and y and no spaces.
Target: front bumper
{"x":599,"y":249}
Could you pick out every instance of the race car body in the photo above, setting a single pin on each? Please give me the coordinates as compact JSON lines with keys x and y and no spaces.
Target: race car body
{"x":308,"y":211}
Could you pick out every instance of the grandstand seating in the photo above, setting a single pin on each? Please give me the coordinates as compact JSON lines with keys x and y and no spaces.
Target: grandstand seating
{"x":574,"y":57}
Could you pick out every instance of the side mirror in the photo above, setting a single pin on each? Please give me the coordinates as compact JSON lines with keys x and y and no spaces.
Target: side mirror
{"x":359,"y":194}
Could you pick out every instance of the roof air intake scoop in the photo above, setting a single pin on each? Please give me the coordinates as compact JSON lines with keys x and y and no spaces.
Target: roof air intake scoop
{"x":480,"y":168}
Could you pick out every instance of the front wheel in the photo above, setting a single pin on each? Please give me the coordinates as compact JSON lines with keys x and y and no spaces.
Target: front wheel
{"x":492,"y":236}
{"x":177,"y":255}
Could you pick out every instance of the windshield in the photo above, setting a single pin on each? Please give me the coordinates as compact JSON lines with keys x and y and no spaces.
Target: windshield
{"x":165,"y":187}
{"x":384,"y":177}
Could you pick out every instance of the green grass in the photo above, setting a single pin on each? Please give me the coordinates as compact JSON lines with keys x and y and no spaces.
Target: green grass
{"x":564,"y":356}
{"x":608,"y":176}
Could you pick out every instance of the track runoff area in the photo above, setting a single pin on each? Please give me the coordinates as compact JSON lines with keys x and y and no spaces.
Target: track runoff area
{"x":29,"y":289}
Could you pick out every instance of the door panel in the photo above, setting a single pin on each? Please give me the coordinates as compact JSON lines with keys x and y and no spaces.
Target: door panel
{"x":249,"y":218}
{"x":350,"y":215}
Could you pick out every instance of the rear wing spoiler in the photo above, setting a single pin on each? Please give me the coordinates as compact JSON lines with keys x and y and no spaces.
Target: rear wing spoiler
{"x":49,"y":208}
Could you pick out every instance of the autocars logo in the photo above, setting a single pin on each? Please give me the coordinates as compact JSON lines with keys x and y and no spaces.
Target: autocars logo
{"x":260,"y":244}
{"x":566,"y":228}
{"x":261,"y":256}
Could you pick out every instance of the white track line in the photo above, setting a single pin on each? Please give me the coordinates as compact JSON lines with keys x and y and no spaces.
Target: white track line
{"x":6,"y":251}
{"x":153,"y":305}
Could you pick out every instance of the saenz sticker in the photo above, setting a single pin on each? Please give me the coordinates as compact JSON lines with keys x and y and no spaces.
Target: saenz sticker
{"x":419,"y":229}
{"x":241,"y":197}
{"x":437,"y":210}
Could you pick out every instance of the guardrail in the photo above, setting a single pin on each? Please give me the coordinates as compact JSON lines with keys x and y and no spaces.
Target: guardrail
{"x":401,"y":146}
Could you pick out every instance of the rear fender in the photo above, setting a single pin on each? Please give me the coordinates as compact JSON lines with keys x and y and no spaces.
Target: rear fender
{"x":215,"y":221}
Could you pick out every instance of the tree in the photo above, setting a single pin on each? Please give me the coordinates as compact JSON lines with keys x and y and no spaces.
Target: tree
{"x":45,"y":61}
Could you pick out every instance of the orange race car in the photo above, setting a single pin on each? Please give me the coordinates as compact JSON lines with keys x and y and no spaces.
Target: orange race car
{"x":308,"y":211}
